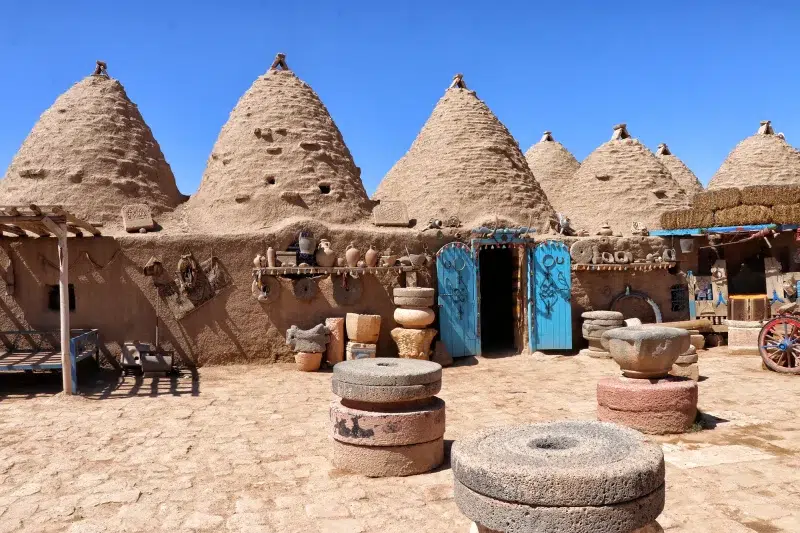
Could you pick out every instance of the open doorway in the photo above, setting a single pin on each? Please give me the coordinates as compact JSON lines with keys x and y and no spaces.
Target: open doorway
{"x":497,"y":300}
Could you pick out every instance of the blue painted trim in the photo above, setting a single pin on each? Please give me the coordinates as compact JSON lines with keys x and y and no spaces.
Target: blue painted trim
{"x":722,"y":229}
{"x":45,"y":366}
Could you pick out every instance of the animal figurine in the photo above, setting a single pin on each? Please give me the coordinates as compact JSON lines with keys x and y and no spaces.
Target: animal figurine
{"x":561,"y":223}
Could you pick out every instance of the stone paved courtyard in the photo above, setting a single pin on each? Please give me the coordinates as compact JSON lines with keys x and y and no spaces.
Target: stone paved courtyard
{"x":244,"y":449}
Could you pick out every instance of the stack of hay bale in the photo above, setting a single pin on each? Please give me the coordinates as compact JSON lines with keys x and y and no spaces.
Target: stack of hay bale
{"x":755,"y":204}
{"x":414,"y":314}
{"x":388,"y":421}
{"x":362,"y":335}
{"x":559,"y":476}
{"x":595,"y":323}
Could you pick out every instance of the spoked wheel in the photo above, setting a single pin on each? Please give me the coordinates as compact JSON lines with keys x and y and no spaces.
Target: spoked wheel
{"x":779,"y":343}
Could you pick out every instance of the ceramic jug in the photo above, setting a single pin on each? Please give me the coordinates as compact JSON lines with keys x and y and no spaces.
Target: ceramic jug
{"x":352,"y":255}
{"x":272,"y":257}
{"x":326,"y":257}
{"x":371,"y":257}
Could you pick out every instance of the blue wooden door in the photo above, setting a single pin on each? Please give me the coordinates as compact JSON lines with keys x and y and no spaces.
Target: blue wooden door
{"x":456,"y":270}
{"x":549,"y":288}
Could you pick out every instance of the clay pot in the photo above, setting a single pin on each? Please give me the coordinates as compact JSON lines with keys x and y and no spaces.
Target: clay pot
{"x":272,"y":257}
{"x":363,"y":328}
{"x":388,"y":260}
{"x":371,"y":257}
{"x":308,"y":361}
{"x":605,"y":230}
{"x":306,"y":242}
{"x":646,"y":351}
{"x":340,"y":262}
{"x":417,"y":260}
{"x":414,"y":317}
{"x":325,"y":255}
{"x":259,"y":261}
{"x":352,"y":255}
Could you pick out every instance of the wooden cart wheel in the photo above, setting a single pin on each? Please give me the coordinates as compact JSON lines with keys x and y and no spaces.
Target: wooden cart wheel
{"x":779,"y":344}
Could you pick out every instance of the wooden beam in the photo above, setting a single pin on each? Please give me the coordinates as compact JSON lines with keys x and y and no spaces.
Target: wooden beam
{"x":63,"y":289}
{"x":75,"y":221}
{"x":55,"y":229}
{"x":7,"y":219}
{"x":34,"y":227}
{"x":35,"y":209}
{"x":13,"y":230}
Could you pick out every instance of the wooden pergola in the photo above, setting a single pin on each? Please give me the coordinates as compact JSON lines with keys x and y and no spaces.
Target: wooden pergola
{"x":34,"y":221}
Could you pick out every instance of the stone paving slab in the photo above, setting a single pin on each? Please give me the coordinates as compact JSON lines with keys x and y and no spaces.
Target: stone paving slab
{"x":246,"y":450}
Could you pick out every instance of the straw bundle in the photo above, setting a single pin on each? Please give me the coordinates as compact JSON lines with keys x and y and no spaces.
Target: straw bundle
{"x":770,"y":195}
{"x":687,"y":218}
{"x":786,"y":214}
{"x":743,"y":215}
{"x":718,"y":199}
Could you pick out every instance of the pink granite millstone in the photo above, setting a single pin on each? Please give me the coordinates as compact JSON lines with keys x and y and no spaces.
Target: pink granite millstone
{"x":646,"y":351}
{"x":396,"y":428}
{"x":647,"y":395}
{"x":388,"y":461}
{"x":652,"y":423}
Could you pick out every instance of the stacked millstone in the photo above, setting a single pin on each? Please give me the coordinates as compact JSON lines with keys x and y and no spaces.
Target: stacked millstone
{"x":686,"y":366}
{"x":560,"y":476}
{"x":414,"y":314}
{"x":388,"y":421}
{"x":595,"y":323}
{"x":646,"y":398}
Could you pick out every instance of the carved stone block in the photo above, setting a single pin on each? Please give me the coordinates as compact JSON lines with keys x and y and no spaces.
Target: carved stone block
{"x":390,"y":214}
{"x":136,"y":217}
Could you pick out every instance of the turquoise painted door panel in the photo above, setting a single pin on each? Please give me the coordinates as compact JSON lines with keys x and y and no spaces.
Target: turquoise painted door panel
{"x":549,"y":295}
{"x":456,"y":271}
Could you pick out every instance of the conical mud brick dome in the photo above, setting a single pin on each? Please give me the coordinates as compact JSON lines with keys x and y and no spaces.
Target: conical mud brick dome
{"x":622,"y":182}
{"x":279,"y":156}
{"x":680,"y":172}
{"x":554,"y":167}
{"x":761,"y":159}
{"x":92,"y":153}
{"x":465,"y":163}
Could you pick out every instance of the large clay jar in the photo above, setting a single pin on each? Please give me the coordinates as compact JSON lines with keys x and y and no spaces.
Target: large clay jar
{"x":646,"y":351}
{"x":414,"y":317}
{"x":371,"y":257}
{"x":326,"y":257}
{"x":308,"y":361}
{"x":306,"y":243}
{"x":352,"y":255}
{"x":272,"y":257}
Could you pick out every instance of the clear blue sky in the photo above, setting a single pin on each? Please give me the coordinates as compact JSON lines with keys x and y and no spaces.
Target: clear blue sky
{"x":697,"y":75}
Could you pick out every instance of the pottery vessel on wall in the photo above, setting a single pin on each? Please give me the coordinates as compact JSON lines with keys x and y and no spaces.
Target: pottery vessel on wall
{"x":259,"y":261}
{"x":605,"y":230}
{"x":272,"y":257}
{"x":325,"y":256}
{"x":417,"y":260}
{"x":371,"y":257}
{"x":308,"y":361}
{"x":388,"y":259}
{"x":306,"y":242}
{"x":341,"y":262}
{"x":414,"y":317}
{"x":646,"y":351}
{"x":352,"y":255}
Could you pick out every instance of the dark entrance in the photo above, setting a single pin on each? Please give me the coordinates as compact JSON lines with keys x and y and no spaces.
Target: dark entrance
{"x":497,"y":299}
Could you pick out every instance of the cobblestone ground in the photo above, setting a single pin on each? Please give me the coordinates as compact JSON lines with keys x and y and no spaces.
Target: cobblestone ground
{"x":244,"y":449}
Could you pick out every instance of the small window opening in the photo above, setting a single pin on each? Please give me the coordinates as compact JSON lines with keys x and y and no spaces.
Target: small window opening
{"x":324,"y":188}
{"x":54,"y":297}
{"x":603,"y":177}
{"x":660,"y":194}
{"x":270,"y":180}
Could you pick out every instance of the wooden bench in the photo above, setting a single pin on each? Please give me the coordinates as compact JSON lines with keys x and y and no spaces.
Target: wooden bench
{"x":83,"y":344}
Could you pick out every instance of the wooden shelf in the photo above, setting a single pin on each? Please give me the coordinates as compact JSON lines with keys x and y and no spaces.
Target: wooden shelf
{"x":631,"y":267}
{"x":327,"y":271}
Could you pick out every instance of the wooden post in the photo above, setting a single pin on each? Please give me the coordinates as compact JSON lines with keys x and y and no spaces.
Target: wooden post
{"x":60,"y":231}
{"x":63,"y":289}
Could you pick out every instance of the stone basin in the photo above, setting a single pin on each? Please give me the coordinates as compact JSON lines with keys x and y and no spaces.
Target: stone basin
{"x":646,"y":351}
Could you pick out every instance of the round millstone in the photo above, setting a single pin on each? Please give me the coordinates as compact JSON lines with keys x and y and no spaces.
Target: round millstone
{"x":603,"y":315}
{"x":510,"y":517}
{"x":600,"y":322}
{"x":413,"y":292}
{"x":647,"y":395}
{"x":388,"y":461}
{"x":567,"y":463}
{"x":387,"y":371}
{"x":383,"y":393}
{"x":652,"y":423}
{"x":395,"y":428}
{"x":411,"y":301}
